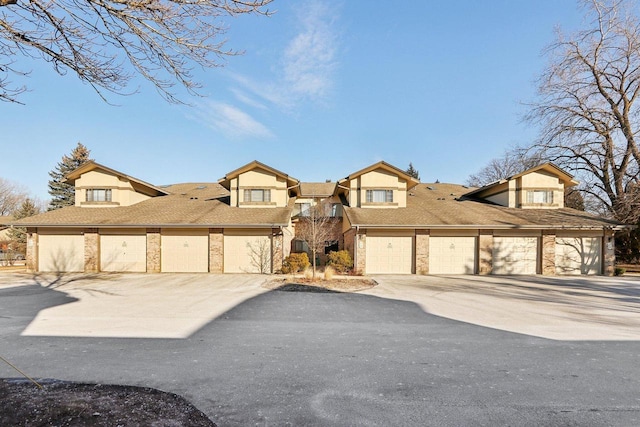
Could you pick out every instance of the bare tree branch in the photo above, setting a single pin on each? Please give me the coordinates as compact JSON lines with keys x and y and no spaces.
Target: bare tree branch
{"x":587,"y":107}
{"x":105,"y":43}
{"x":11,"y":196}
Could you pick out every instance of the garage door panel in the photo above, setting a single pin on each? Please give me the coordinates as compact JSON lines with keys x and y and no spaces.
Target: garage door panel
{"x":578,"y":255}
{"x":389,"y":254}
{"x":185,"y":251}
{"x":123,"y":252}
{"x":515,"y":255}
{"x":452,"y":255}
{"x":247,"y":252}
{"x":61,"y":252}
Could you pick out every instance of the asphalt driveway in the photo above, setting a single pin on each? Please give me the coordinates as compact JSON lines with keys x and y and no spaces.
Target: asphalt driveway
{"x":284,"y":358}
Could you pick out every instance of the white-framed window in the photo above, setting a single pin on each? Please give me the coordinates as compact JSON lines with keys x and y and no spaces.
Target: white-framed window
{"x":257,"y":195}
{"x":540,"y":196}
{"x":379,"y":196}
{"x":98,"y":195}
{"x":305,"y":209}
{"x":336,"y":210}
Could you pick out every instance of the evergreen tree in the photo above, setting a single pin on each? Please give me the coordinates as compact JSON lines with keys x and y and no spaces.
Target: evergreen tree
{"x":411,"y":171}
{"x":18,"y":235}
{"x":63,"y":194}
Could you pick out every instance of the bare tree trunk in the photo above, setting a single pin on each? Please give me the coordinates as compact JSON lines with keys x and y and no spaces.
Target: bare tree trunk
{"x":587,"y":109}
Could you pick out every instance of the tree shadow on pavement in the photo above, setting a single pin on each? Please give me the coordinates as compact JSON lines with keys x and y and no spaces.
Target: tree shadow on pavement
{"x":587,"y":293}
{"x":21,"y":304}
{"x":57,"y":279}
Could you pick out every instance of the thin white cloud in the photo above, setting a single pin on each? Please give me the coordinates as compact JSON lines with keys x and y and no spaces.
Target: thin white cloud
{"x":305,"y":73}
{"x":231,"y":121}
{"x":269,"y":92}
{"x":247,"y":100}
{"x":308,"y":61}
{"x":310,"y":58}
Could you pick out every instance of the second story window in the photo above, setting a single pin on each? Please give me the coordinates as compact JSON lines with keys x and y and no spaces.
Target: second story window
{"x":98,"y":195}
{"x":257,"y":195}
{"x":336,"y":210}
{"x":540,"y":196}
{"x":379,"y":196}
{"x":305,"y":209}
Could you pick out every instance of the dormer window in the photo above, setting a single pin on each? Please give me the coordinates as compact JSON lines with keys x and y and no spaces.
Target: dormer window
{"x":379,"y":196}
{"x":98,"y":195}
{"x":257,"y":195}
{"x":540,"y":197}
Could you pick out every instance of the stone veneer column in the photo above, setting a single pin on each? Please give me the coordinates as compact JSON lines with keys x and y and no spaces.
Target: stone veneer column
{"x":548,"y":253}
{"x":485,"y":252}
{"x":91,"y":250}
{"x":422,"y":251}
{"x":609,"y":252}
{"x":216,"y":250}
{"x":32,"y":250}
{"x":361,"y":253}
{"x":277,"y":250}
{"x":153,"y":250}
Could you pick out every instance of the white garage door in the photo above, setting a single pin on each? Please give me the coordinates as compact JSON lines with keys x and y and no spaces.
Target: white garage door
{"x":184,"y":251}
{"x":515,"y":255}
{"x":452,"y":255}
{"x":247,"y":251}
{"x":124,"y":250}
{"x":61,"y":252}
{"x":578,"y":255}
{"x":389,"y":254}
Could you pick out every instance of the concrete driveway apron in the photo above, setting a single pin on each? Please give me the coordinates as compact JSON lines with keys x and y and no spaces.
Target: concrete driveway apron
{"x":286,"y":358}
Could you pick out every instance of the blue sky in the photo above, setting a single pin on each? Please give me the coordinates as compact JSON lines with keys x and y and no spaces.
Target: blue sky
{"x":323,"y":89}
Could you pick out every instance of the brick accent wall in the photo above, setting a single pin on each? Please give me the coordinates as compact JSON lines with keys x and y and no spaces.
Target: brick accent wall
{"x":32,"y":250}
{"x":422,"y":251}
{"x":548,"y":253}
{"x":216,"y":250}
{"x":485,"y":252}
{"x":609,"y":259}
{"x":153,"y":250}
{"x":277,"y":250}
{"x":91,"y":250}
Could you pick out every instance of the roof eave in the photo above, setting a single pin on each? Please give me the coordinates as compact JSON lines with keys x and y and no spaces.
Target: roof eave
{"x":494,"y":227}
{"x":91,"y":165}
{"x":168,"y":225}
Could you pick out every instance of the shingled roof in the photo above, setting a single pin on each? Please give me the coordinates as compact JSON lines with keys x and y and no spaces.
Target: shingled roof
{"x":446,"y":206}
{"x":317,"y":189}
{"x":188,"y":205}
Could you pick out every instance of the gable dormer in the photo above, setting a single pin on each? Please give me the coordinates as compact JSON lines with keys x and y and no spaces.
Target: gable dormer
{"x":256,"y":185}
{"x":380,"y":185}
{"x":541,"y":187}
{"x":99,"y":186}
{"x":315,"y":193}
